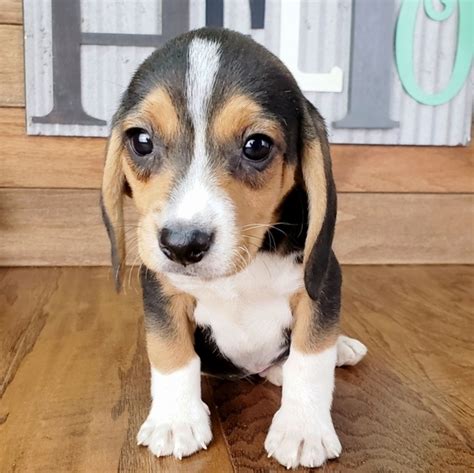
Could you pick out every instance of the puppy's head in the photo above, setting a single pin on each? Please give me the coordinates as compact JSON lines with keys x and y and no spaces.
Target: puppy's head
{"x":212,"y":138}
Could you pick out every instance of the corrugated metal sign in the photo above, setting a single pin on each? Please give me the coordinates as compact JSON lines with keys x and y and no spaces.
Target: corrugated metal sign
{"x":80,"y":55}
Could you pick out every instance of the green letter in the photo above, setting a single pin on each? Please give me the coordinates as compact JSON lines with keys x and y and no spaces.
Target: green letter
{"x":404,"y":47}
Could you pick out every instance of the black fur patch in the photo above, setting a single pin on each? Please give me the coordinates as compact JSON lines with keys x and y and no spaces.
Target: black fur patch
{"x":155,"y":304}
{"x":213,"y":362}
{"x":285,"y":346}
{"x":329,"y":299}
{"x":289,"y":234}
{"x":319,"y":259}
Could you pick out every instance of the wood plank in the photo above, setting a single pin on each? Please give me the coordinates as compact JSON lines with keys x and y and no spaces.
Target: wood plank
{"x":21,"y":318}
{"x":65,"y":162}
{"x":77,"y":163}
{"x":64,"y":227}
{"x":427,"y":169}
{"x":405,"y":228}
{"x":77,"y":399}
{"x":422,"y":319}
{"x":12,"y":91}
{"x":11,"y":12}
{"x":56,"y":227}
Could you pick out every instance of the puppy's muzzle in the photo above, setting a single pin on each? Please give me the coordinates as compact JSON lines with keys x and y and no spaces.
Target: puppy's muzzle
{"x":184,"y":244}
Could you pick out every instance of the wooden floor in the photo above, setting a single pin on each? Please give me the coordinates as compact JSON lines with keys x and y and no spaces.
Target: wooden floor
{"x":74,"y":384}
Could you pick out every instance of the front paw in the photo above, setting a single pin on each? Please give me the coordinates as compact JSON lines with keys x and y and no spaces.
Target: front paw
{"x":180,"y":435}
{"x":298,"y":437}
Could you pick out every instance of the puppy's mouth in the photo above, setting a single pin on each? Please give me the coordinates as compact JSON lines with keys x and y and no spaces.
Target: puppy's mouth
{"x":207,"y":270}
{"x":193,"y":275}
{"x":192,"y":271}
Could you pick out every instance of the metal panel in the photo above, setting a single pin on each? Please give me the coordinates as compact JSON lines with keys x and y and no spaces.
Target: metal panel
{"x":325,"y":37}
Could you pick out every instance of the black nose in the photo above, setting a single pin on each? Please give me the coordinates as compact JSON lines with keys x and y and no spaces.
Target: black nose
{"x":185,"y":245}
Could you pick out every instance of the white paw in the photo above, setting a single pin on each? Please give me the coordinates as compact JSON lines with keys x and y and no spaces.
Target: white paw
{"x":274,"y":374}
{"x":297,"y":437}
{"x":349,"y":351}
{"x":180,"y":436}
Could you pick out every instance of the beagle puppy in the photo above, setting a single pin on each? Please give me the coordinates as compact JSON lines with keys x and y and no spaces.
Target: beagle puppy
{"x":229,"y":168}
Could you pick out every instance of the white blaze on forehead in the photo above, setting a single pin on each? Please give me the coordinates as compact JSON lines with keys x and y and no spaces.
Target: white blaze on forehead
{"x":196,"y":194}
{"x":203,"y":64}
{"x":198,"y":200}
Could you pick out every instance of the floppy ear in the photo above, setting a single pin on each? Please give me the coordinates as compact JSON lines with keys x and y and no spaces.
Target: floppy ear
{"x":111,"y":202}
{"x":322,"y":200}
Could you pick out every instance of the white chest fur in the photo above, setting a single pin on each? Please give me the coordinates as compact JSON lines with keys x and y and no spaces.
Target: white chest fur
{"x":249,"y":311}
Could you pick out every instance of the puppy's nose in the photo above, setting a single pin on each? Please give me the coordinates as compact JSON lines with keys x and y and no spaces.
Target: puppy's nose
{"x":185,"y":245}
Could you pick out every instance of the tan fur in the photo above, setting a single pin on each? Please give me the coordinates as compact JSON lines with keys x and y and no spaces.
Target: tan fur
{"x":156,"y":109}
{"x":152,"y":193}
{"x":149,"y":196}
{"x":307,"y":335}
{"x":316,"y":186}
{"x":112,"y":195}
{"x":171,"y":349}
{"x":169,"y":353}
{"x":241,"y":114}
{"x":255,"y":208}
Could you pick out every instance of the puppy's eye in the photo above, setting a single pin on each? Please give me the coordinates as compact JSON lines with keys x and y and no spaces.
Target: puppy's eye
{"x":140,"y":141}
{"x":257,"y":147}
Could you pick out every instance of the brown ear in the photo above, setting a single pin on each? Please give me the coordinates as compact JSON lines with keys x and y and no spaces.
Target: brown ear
{"x":322,"y":200}
{"x":111,"y":202}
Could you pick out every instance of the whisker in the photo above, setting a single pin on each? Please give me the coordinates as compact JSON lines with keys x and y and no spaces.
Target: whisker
{"x":271,"y":227}
{"x":272,"y":240}
{"x":138,"y":273}
{"x":241,"y":259}
{"x":248,"y":254}
{"x":251,"y":243}
{"x":132,"y":267}
{"x":268,"y":224}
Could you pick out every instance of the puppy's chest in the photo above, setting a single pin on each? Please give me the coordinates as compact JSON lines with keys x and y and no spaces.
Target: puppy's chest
{"x":249,"y":313}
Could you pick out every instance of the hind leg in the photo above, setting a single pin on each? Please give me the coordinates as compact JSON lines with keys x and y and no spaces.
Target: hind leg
{"x":349,"y":351}
{"x":274,"y":374}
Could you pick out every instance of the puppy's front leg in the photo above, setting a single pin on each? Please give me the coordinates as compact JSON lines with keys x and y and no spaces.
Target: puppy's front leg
{"x":178,"y":423}
{"x":302,"y":432}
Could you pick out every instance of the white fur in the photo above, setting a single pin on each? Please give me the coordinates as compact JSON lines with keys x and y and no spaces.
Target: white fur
{"x":202,"y":205}
{"x":203,"y":65}
{"x":302,"y":432}
{"x":178,"y":423}
{"x":192,"y":199}
{"x":349,"y":351}
{"x":274,"y":374}
{"x":248,"y":311}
